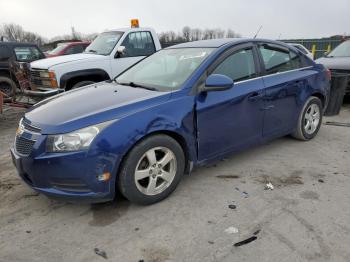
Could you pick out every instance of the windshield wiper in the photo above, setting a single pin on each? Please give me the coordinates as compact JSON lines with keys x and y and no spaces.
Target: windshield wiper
{"x":133,"y":84}
{"x":91,"y":51}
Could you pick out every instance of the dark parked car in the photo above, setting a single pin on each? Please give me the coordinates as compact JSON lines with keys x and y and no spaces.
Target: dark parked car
{"x":338,"y":61}
{"x":69,"y":48}
{"x":181,"y":107}
{"x":13,"y":56}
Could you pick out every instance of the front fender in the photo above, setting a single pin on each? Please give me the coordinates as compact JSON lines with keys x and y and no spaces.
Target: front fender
{"x":80,"y":73}
{"x":174,"y":116}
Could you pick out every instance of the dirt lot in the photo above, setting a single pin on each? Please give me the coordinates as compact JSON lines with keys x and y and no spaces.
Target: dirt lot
{"x":305,"y":218}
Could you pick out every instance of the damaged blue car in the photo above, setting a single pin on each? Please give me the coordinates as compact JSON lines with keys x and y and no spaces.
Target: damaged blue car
{"x":182,"y":107}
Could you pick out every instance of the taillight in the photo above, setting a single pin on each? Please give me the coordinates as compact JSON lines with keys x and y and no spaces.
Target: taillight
{"x":329,"y":74}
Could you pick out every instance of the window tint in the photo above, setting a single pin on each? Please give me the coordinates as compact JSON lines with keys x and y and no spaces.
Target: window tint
{"x":5,"y":53}
{"x":238,"y":66}
{"x":138,"y":44}
{"x":76,"y":49}
{"x":279,"y":60}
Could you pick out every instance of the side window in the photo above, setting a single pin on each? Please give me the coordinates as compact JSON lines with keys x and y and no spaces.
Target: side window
{"x":76,"y":49}
{"x":138,"y":44}
{"x":279,"y":60}
{"x":238,"y":66}
{"x":5,"y":53}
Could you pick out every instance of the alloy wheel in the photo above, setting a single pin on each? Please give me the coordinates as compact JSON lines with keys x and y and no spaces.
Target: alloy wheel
{"x":155,"y":171}
{"x":312,"y":118}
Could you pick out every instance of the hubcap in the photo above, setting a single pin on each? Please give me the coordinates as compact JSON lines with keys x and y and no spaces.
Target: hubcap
{"x":155,"y":171}
{"x":312,"y":119}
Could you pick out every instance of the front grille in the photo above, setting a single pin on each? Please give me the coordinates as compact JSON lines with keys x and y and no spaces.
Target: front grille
{"x":34,"y":73}
{"x":24,"y":146}
{"x":35,"y":79}
{"x":30,"y":127}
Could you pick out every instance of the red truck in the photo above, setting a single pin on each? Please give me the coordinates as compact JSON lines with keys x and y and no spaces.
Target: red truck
{"x":68,"y":48}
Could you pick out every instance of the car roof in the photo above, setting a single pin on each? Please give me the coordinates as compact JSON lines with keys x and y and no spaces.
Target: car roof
{"x":129,"y":29}
{"x":17,"y":44}
{"x":216,"y":43}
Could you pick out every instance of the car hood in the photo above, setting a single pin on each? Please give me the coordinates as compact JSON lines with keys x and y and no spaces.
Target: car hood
{"x":90,"y":105}
{"x":57,"y":60}
{"x":340,"y":63}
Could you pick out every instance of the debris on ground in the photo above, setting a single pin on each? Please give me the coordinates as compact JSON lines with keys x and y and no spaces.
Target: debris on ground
{"x":211,"y":242}
{"x":321,"y":180}
{"x":331,"y":123}
{"x":246,"y":241}
{"x":256,"y":232}
{"x":232,"y":206}
{"x":245,"y":194}
{"x":136,"y":228}
{"x":100,"y":252}
{"x":231,"y":230}
{"x":28,"y":231}
{"x":283,"y":181}
{"x":228,"y":176}
{"x":269,"y":186}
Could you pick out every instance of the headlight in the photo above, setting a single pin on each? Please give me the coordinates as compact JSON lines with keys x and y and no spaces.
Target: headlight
{"x":76,"y":140}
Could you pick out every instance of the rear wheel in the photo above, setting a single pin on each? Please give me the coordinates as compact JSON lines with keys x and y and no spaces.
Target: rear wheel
{"x":152,"y":170}
{"x":310,"y":119}
{"x":7,"y":86}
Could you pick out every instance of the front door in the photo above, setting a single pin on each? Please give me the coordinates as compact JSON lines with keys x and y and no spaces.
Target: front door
{"x":232,"y":119}
{"x":137,"y":46}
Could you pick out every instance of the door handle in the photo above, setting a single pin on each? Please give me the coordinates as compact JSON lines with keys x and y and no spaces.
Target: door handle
{"x":255,"y":96}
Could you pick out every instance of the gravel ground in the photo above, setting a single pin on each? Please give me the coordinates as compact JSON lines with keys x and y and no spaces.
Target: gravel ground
{"x":305,"y":218}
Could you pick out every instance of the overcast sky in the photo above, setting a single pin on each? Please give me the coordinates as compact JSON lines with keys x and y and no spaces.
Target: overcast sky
{"x":287,"y":19}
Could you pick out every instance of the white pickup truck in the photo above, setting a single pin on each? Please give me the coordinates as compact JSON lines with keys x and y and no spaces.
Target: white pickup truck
{"x":107,"y":56}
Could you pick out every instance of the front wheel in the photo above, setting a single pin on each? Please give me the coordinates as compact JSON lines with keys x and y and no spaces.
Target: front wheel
{"x":310,"y":119}
{"x":83,"y":83}
{"x":7,"y":86}
{"x":152,"y":170}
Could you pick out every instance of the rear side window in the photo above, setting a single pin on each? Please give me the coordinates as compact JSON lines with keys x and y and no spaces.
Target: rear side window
{"x":75,"y":49}
{"x":5,"y":53}
{"x":278,"y":60}
{"x":138,"y":44}
{"x":238,"y":66}
{"x":27,"y":53}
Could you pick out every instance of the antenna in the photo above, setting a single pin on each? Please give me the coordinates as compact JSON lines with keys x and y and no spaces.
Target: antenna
{"x":257,"y":32}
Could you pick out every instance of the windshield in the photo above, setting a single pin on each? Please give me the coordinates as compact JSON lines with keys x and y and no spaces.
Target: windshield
{"x":341,"y":50}
{"x":27,"y":53}
{"x":104,"y":43}
{"x":165,"y":70}
{"x":58,"y":49}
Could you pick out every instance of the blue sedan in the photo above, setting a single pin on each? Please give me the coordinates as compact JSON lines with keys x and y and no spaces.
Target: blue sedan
{"x":179,"y":108}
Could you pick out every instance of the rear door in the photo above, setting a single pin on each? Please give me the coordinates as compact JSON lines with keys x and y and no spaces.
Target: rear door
{"x":231,"y":119}
{"x":285,"y":77}
{"x":137,"y":46}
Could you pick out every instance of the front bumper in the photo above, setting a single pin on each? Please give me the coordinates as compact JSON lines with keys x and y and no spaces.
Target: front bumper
{"x":68,"y":176}
{"x":42,"y":92}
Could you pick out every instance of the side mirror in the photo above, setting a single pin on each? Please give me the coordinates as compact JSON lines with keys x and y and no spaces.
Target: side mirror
{"x":120,"y":51}
{"x":216,"y":82}
{"x":326,"y":54}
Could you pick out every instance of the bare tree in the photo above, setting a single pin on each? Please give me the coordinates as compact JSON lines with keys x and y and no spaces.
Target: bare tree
{"x":13,"y":32}
{"x":231,"y":34}
{"x":186,"y":33}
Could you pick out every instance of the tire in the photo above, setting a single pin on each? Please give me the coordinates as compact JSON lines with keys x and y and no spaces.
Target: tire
{"x":7,"y":86}
{"x":143,"y":179}
{"x":310,"y":119}
{"x":82,"y":83}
